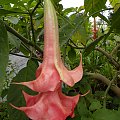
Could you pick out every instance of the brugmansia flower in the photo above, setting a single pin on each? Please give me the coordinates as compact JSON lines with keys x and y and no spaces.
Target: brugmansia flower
{"x":49,"y":106}
{"x":50,"y":103}
{"x":52,"y":70}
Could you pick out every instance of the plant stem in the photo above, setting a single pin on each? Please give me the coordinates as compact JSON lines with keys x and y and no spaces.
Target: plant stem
{"x":25,"y":56}
{"x":23,"y":39}
{"x":35,"y":7}
{"x":105,"y":80}
{"x":32,"y":29}
{"x":110,"y":58}
{"x":114,"y":51}
{"x":108,"y":88}
{"x":77,"y":47}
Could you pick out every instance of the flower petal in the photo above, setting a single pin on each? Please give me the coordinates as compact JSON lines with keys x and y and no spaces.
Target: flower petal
{"x":38,"y":71}
{"x":48,"y":80}
{"x":49,"y":106}
{"x":70,"y":77}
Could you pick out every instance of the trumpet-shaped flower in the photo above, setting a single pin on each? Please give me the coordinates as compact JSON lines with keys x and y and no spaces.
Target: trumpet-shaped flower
{"x":51,"y":103}
{"x":52,"y":70}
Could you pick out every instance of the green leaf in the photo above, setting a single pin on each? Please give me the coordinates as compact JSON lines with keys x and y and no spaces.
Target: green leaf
{"x":95,"y":105}
{"x":56,"y":1}
{"x":115,"y":4}
{"x":15,"y":91}
{"x":68,"y":10}
{"x":4,"y":52}
{"x":14,"y":40}
{"x":115,"y":19}
{"x":72,"y":55}
{"x":93,"y":6}
{"x":82,"y":107}
{"x":80,"y":36}
{"x":86,"y":118}
{"x":13,"y":11}
{"x":24,"y":50}
{"x":3,"y":2}
{"x":106,"y":114}
{"x":92,"y":45}
{"x":104,"y":18}
{"x":75,"y":118}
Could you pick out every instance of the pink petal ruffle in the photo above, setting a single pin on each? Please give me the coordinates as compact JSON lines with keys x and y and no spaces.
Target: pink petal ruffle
{"x":49,"y":106}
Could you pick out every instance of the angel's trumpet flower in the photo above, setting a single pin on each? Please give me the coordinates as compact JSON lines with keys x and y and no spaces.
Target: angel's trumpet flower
{"x":51,"y":103}
{"x":52,"y":70}
{"x":49,"y":106}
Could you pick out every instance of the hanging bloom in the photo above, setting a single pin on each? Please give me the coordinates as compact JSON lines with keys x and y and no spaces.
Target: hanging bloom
{"x":52,"y":70}
{"x":49,"y":106}
{"x":51,"y":103}
{"x":95,"y":30}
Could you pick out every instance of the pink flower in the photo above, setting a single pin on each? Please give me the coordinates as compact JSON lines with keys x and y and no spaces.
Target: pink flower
{"x":49,"y":106}
{"x":51,"y":103}
{"x":52,"y":70}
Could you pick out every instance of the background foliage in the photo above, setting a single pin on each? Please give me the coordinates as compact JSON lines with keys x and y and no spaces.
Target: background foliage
{"x":21,"y":31}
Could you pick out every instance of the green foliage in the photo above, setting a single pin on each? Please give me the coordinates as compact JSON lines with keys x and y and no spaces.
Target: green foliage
{"x":14,"y":41}
{"x":94,"y":6}
{"x":72,"y":55}
{"x":4,"y":112}
{"x":4,"y":51}
{"x":92,"y":45}
{"x":95,"y":105}
{"x":115,"y":20}
{"x":106,"y":114}
{"x":3,"y":2}
{"x":11,"y":11}
{"x":115,"y":4}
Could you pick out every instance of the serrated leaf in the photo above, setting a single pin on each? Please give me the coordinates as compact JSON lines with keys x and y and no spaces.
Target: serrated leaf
{"x":4,"y":53}
{"x":15,"y":91}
